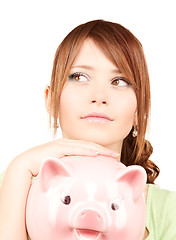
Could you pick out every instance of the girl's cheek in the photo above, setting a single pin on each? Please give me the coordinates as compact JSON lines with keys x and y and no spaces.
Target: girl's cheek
{"x":126,"y":101}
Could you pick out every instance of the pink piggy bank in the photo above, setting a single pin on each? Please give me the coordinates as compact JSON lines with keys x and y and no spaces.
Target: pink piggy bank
{"x":86,"y":198}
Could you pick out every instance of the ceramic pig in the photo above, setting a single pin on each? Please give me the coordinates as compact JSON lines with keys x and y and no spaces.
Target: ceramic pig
{"x":86,"y":198}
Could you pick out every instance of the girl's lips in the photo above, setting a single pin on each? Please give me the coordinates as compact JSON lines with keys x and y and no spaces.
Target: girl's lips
{"x":97,"y":117}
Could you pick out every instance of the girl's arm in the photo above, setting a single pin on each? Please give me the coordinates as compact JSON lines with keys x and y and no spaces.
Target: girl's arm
{"x":17,"y":181}
{"x":13,"y":194}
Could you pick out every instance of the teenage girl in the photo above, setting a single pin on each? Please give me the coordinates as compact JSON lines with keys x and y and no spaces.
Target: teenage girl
{"x":99,"y":96}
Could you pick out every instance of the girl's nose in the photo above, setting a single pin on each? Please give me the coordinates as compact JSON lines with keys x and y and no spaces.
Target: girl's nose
{"x":99,"y":92}
{"x":99,"y":96}
{"x":99,"y":101}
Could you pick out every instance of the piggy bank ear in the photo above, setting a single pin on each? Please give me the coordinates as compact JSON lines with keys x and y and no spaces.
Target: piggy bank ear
{"x":132,"y":182}
{"x":52,"y":169}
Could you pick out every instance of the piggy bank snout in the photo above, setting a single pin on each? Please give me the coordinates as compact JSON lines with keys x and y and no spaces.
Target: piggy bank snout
{"x":90,"y":219}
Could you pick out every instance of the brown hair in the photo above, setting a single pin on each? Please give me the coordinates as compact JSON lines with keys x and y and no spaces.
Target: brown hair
{"x":124,"y":50}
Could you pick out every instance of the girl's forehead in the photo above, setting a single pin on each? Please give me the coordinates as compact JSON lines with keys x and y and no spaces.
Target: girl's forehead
{"x":91,"y":56}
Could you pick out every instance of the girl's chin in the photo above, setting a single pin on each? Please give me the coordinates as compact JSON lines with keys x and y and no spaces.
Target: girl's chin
{"x":99,"y":137}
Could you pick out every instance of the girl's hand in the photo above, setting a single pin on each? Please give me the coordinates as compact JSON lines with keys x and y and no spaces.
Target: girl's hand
{"x":59,"y":148}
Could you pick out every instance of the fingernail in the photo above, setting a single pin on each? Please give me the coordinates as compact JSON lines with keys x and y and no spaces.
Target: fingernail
{"x":115,"y":155}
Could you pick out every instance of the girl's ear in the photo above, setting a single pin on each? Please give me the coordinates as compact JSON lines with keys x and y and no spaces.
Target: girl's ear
{"x":135,"y":121}
{"x":47,"y":99}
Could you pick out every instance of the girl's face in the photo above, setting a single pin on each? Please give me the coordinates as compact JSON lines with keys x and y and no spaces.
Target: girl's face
{"x":97,"y":103}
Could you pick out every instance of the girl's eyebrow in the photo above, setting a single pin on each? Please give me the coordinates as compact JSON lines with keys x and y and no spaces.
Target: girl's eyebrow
{"x":115,"y":70}
{"x":84,"y":67}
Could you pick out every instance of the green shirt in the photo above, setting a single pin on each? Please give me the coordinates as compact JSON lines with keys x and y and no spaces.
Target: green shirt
{"x":161,"y":213}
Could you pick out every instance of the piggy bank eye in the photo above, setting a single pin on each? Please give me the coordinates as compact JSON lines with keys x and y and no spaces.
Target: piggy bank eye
{"x":66,"y":199}
{"x":116,"y":204}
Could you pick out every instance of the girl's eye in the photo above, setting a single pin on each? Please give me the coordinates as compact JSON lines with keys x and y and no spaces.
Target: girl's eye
{"x":79,"y":77}
{"x":120,"y":82}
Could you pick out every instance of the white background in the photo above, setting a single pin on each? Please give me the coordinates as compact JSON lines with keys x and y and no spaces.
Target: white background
{"x":30,"y":33}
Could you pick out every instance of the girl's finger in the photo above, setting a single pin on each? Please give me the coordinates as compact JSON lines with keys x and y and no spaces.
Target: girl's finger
{"x":75,"y":147}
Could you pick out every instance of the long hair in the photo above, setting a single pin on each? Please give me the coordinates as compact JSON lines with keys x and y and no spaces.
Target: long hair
{"x":126,"y":52}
